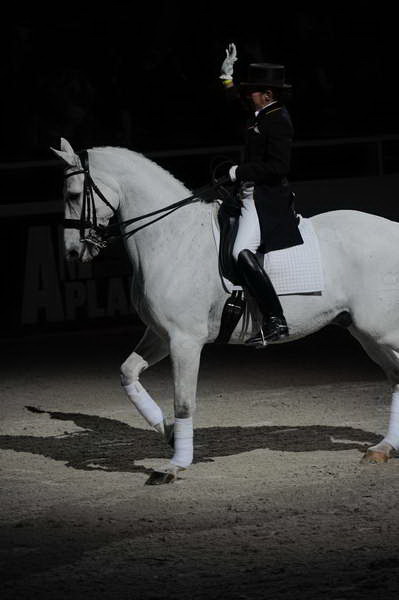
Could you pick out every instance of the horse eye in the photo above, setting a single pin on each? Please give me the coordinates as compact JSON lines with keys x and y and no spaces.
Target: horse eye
{"x":73,"y":196}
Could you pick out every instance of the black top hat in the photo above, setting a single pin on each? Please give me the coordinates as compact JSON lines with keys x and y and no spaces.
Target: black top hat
{"x":263,"y":75}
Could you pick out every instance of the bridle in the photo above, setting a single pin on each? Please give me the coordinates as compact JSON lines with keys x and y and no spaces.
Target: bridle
{"x":88,"y":216}
{"x":101,"y":235}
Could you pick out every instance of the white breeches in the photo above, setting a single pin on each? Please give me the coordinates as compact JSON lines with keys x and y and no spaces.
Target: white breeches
{"x":248,"y":234}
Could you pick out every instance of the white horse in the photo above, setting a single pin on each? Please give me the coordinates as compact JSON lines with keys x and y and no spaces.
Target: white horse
{"x":178,"y":293}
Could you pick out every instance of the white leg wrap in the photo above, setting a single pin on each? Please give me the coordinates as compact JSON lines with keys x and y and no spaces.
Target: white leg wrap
{"x":183,"y":430}
{"x":392,"y":436}
{"x":142,"y":400}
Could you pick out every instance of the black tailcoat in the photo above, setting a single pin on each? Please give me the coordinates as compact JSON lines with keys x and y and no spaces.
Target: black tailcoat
{"x":266,"y":163}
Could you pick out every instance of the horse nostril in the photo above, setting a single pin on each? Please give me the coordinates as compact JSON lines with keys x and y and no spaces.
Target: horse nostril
{"x":72,"y":255}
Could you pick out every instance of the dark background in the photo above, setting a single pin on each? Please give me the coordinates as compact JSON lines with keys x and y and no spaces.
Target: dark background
{"x":147,"y":77}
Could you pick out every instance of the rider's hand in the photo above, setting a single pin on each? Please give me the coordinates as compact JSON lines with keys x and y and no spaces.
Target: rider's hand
{"x":229,"y":178}
{"x":233,"y":173}
{"x":227,"y":68}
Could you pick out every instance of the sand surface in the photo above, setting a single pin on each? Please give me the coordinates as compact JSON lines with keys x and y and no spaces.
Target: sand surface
{"x":276,"y":504}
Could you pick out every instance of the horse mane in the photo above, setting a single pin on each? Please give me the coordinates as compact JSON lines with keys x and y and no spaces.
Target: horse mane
{"x":122,"y":159}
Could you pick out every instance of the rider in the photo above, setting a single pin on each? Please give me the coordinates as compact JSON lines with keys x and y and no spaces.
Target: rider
{"x":267,"y":220}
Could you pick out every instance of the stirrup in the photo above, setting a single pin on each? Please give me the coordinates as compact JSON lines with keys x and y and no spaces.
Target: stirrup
{"x":277,"y":327}
{"x":258,"y":340}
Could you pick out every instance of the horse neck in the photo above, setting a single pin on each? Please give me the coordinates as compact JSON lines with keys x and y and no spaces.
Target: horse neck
{"x":172,"y":235}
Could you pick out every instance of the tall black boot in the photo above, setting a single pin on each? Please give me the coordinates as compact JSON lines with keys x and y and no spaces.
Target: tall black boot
{"x":261,"y":288}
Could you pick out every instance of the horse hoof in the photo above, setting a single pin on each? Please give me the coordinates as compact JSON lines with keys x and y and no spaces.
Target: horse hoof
{"x":160,"y":478}
{"x":375,"y":457}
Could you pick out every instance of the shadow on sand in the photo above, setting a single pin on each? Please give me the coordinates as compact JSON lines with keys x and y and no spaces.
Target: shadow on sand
{"x":111,"y":445}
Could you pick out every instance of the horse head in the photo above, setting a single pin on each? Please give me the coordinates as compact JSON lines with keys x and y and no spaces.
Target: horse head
{"x":91,"y":198}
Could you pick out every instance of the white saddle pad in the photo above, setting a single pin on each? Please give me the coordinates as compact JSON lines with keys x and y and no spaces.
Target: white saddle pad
{"x":296,"y":270}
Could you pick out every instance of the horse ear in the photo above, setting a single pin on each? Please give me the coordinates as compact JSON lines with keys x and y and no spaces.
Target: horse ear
{"x":66,"y":146}
{"x":66,"y":153}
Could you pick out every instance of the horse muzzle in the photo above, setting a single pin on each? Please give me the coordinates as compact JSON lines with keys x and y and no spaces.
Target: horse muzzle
{"x":97,"y":235}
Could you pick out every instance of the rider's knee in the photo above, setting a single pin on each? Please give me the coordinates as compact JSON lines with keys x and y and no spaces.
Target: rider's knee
{"x":237,"y":248}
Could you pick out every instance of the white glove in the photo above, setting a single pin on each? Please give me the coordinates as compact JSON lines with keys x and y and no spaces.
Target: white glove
{"x":226,"y":71}
{"x":232,"y":173}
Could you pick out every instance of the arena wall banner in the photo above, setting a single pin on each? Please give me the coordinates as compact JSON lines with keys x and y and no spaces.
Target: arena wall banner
{"x":43,"y":292}
{"x":60,"y":291}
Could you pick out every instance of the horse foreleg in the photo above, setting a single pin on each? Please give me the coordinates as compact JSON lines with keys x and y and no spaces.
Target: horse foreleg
{"x":185,"y":354}
{"x":150,"y":350}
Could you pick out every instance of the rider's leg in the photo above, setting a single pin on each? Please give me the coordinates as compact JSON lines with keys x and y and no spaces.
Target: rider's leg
{"x":255,"y":278}
{"x":257,"y":281}
{"x":248,"y":235}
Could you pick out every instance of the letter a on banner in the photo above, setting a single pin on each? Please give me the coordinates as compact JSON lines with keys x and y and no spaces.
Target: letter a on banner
{"x":41,"y":284}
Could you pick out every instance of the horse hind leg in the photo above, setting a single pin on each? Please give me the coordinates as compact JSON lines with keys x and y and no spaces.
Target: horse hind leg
{"x":150,"y":350}
{"x":388,"y":359}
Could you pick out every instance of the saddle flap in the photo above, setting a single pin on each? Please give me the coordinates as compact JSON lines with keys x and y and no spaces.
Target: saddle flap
{"x":228,"y":226}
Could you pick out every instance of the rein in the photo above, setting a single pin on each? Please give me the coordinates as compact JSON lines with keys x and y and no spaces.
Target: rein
{"x":99,"y":235}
